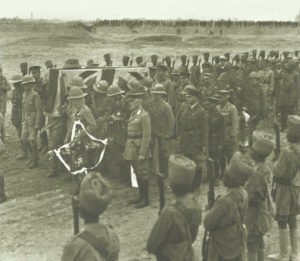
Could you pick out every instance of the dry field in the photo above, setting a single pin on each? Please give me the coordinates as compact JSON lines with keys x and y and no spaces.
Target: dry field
{"x":37,"y":219}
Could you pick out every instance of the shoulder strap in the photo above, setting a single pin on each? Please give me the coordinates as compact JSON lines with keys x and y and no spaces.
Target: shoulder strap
{"x":94,"y":242}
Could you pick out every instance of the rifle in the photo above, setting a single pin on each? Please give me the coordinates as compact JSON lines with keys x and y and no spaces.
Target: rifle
{"x":75,"y":209}
{"x":276,"y":155}
{"x":159,"y":176}
{"x":211,"y":200}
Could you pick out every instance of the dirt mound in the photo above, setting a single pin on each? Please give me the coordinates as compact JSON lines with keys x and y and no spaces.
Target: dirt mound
{"x":211,"y":41}
{"x":158,"y":38}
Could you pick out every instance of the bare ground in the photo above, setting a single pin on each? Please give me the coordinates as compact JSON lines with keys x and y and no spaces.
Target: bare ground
{"x":37,"y":219}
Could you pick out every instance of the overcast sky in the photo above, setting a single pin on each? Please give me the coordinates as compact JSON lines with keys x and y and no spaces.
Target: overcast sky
{"x":152,"y":9}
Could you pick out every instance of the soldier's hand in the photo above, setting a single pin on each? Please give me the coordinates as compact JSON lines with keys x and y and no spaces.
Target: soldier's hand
{"x":141,"y":157}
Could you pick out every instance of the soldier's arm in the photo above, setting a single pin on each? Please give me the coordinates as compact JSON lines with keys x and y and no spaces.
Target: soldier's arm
{"x":264,"y":106}
{"x":272,"y":80}
{"x":204,"y":129}
{"x":215,"y":215}
{"x":146,"y":135}
{"x":170,"y":121}
{"x":159,"y":232}
{"x":39,"y":113}
{"x":281,"y":166}
{"x":235,"y":120}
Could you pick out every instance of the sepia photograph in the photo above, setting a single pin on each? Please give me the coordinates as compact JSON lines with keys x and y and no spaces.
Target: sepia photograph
{"x":135,"y":130}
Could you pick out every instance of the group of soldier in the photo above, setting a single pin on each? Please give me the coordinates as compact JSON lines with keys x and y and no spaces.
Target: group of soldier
{"x":210,"y":109}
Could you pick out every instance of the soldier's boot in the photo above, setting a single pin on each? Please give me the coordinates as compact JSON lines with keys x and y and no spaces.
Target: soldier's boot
{"x":145,"y":194}
{"x":294,"y":245}
{"x":35,"y":156}
{"x":261,"y":254}
{"x":139,"y":197}
{"x":252,"y":255}
{"x":283,"y":246}
{"x":2,"y":190}
{"x":24,"y":148}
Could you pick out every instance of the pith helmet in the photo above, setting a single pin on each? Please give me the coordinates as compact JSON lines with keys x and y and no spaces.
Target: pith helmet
{"x":114,"y":90}
{"x":27,"y":79}
{"x":101,"y":86}
{"x":76,"y":93}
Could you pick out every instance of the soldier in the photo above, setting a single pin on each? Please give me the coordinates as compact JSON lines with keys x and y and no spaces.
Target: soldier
{"x":254,"y":54}
{"x":183,"y":68}
{"x":31,"y":118}
{"x":125,"y":60}
{"x":40,"y":88}
{"x":216,"y":134}
{"x":193,"y":132}
{"x":140,"y":62}
{"x":107,"y":59}
{"x":90,"y":64}
{"x":254,"y":102}
{"x":278,"y":75}
{"x":24,"y":68}
{"x":286,"y":96}
{"x":251,"y":66}
{"x":4,"y":88}
{"x":287,"y":176}
{"x":266,"y":76}
{"x":163,"y":78}
{"x":221,"y":67}
{"x":162,"y":126}
{"x":258,"y":218}
{"x":115,"y":126}
{"x":207,"y":88}
{"x":176,"y":229}
{"x":225,"y":221}
{"x":169,"y":66}
{"x":137,"y":146}
{"x":215,"y":65}
{"x":97,"y":241}
{"x":195,"y":71}
{"x":16,"y":112}
{"x":99,"y":99}
{"x":154,"y":59}
{"x":77,"y":109}
{"x":230,"y":114}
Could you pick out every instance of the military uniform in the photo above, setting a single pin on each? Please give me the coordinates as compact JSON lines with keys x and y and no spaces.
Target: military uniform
{"x":286,"y":176}
{"x":193,"y":137}
{"x":258,"y":219}
{"x":137,"y":145}
{"x":225,"y":224}
{"x":162,"y":127}
{"x":176,"y":229}
{"x":225,"y":221}
{"x":31,"y":120}
{"x":267,"y":80}
{"x":231,"y":118}
{"x":254,"y":99}
{"x":4,"y":88}
{"x":287,"y":92}
{"x":16,"y":113}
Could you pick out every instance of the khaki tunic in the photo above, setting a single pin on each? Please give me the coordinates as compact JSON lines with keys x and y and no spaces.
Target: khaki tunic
{"x":285,"y":170}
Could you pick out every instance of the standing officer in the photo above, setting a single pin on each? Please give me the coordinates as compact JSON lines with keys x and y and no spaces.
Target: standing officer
{"x":116,"y":133}
{"x":40,"y":88}
{"x":216,"y":134}
{"x":31,"y":118}
{"x":137,"y":146}
{"x":193,"y":132}
{"x":16,"y":112}
{"x":230,"y":114}
{"x":254,"y":99}
{"x":266,"y":76}
{"x":162,"y":126}
{"x":286,"y":176}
